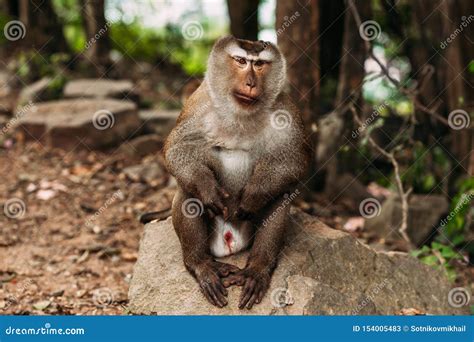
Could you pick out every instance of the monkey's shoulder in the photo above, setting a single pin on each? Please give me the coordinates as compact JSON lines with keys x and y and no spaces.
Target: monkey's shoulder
{"x":197,"y":104}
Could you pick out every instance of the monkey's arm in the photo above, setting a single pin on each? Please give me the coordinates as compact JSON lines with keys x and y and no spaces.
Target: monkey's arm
{"x":274,"y":174}
{"x":189,"y":160}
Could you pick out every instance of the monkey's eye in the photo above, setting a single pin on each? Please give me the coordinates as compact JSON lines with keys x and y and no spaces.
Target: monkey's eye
{"x":241,"y":60}
{"x":259,"y":63}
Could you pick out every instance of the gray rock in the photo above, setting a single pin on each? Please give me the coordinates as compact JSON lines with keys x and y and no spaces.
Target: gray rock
{"x":159,"y":121}
{"x":346,"y":187}
{"x":321,"y":271}
{"x":79,"y":123}
{"x":38,"y":91}
{"x":142,"y":145}
{"x":425,"y":212}
{"x":101,"y":88}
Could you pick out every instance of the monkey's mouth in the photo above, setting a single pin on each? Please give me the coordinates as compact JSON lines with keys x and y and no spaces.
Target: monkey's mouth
{"x":245,"y":99}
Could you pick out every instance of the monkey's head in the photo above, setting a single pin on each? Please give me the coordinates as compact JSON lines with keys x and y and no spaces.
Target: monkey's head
{"x":245,"y":76}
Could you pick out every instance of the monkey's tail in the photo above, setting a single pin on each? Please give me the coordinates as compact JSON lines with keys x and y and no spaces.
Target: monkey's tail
{"x":155,"y":215}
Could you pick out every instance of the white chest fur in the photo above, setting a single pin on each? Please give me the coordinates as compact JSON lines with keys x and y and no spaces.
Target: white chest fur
{"x":236,"y":168}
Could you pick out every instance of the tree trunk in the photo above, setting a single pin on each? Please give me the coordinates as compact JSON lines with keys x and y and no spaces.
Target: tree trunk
{"x":332,"y":32}
{"x":349,"y":90}
{"x":97,"y":35}
{"x":44,"y":31}
{"x":297,"y":28}
{"x":10,"y":8}
{"x":458,"y":89}
{"x":243,"y":18}
{"x":450,"y":87}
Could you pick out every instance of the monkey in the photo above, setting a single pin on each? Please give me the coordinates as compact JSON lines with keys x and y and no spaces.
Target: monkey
{"x":238,"y":147}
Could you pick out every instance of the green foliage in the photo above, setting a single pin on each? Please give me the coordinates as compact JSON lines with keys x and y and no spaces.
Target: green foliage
{"x":428,"y":168}
{"x":455,"y":225}
{"x":440,"y":257}
{"x":471,"y":66}
{"x":3,"y":21}
{"x":69,"y":12}
{"x":139,"y":43}
{"x":30,"y":65}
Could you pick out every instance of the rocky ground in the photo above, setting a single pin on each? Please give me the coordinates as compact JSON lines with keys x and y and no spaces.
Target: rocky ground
{"x":73,"y":245}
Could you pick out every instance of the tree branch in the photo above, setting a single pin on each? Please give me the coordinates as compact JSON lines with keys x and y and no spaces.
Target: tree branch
{"x":404,"y":195}
{"x":408,"y":92}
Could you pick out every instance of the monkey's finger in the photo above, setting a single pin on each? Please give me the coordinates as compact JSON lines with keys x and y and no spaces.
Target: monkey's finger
{"x":247,"y":292}
{"x":220,"y":287}
{"x":213,"y":295}
{"x":221,"y":292}
{"x":219,"y":206}
{"x":225,"y":269}
{"x":214,"y":207}
{"x":210,"y":213}
{"x":252,"y":300}
{"x":208,"y":295}
{"x":224,"y":193}
{"x":232,"y":269}
{"x":260,"y":296}
{"x":234,"y":279}
{"x":225,"y":213}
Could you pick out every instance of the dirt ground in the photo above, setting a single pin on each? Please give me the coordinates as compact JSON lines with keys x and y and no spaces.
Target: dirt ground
{"x":69,"y":245}
{"x":72,"y":249}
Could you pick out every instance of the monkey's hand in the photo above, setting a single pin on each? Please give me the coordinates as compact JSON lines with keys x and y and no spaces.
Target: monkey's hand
{"x":212,"y":197}
{"x":255,"y":282}
{"x":251,"y":203}
{"x":208,"y":275}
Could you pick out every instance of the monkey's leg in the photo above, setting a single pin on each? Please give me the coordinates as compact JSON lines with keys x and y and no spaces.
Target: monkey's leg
{"x":193,"y":234}
{"x":256,"y":275}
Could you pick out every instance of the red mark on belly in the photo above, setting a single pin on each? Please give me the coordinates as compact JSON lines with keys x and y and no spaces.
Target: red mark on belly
{"x":228,"y":237}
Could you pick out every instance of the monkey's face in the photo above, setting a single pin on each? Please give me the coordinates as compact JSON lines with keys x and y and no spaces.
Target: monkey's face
{"x":250,"y":73}
{"x":247,"y":74}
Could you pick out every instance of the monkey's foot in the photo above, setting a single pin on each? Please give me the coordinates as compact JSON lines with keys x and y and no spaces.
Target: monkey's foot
{"x":255,"y":284}
{"x":208,"y":275}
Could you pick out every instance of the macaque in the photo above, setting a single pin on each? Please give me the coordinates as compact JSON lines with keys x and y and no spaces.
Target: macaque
{"x":238,"y":147}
